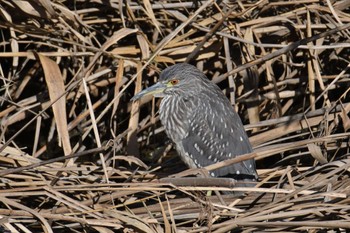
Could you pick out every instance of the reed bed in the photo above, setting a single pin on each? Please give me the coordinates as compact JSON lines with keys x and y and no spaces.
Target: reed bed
{"x":76,"y":155}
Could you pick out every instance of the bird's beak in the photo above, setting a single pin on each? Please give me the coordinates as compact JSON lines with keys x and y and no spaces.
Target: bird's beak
{"x":156,"y":90}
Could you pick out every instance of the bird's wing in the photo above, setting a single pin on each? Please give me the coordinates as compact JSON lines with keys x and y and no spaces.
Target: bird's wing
{"x":215,"y":134}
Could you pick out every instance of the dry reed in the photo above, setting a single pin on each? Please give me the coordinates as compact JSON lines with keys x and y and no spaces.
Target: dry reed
{"x":77,"y":156}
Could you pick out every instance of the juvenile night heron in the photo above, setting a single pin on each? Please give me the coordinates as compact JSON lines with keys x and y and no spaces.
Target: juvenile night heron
{"x":200,"y":120}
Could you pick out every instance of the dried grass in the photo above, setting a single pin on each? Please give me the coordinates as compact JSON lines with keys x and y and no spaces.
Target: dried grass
{"x":284,"y":64}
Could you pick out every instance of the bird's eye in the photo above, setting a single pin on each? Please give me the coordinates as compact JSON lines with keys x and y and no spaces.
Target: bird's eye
{"x":174,"y":81}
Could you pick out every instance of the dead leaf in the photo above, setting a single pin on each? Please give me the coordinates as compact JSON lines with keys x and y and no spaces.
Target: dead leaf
{"x":54,"y":81}
{"x":316,"y":152}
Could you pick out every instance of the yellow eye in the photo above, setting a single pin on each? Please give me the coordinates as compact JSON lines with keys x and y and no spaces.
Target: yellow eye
{"x":174,"y":81}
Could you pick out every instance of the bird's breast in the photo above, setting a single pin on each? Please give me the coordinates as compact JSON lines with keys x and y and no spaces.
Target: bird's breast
{"x":174,"y":115}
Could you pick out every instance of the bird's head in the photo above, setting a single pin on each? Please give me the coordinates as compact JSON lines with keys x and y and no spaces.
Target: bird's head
{"x":178,"y":80}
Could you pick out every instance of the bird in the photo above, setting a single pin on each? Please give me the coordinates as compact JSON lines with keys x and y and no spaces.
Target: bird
{"x":201,"y":121}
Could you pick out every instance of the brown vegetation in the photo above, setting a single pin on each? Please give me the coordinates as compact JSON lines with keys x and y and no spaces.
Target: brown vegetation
{"x":77,"y":156}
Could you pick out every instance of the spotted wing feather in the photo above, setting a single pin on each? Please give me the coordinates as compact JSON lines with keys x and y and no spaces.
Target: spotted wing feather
{"x":216,"y":136}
